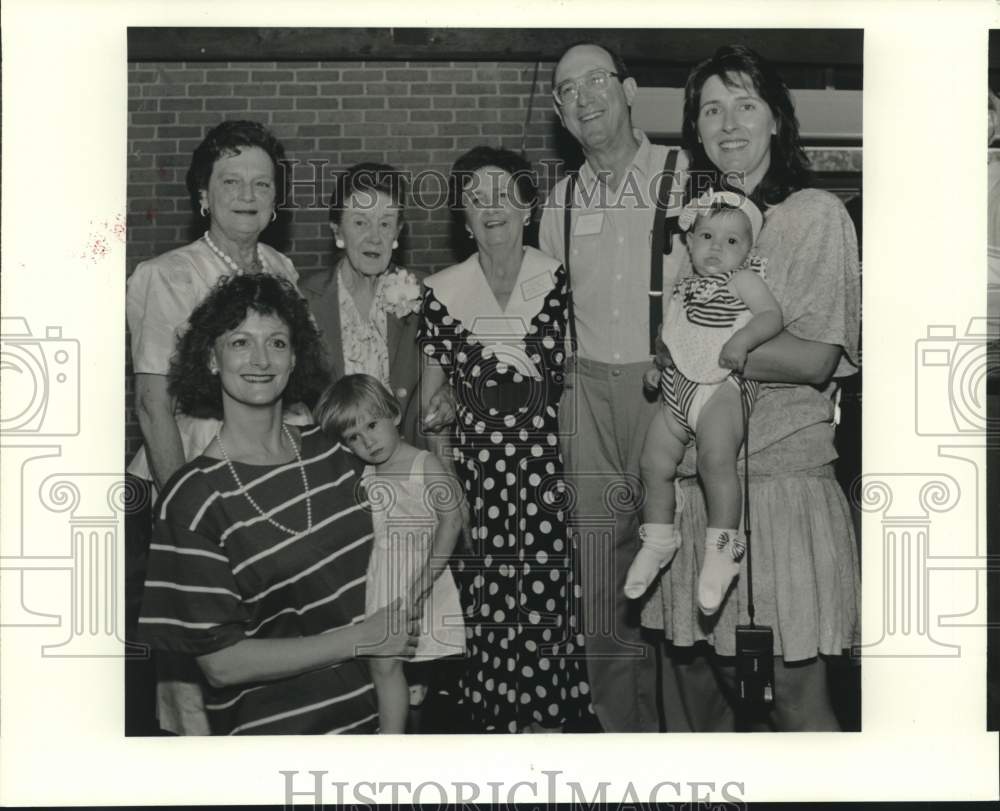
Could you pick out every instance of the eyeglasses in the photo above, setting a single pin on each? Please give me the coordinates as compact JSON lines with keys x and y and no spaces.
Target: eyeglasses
{"x":567,"y":92}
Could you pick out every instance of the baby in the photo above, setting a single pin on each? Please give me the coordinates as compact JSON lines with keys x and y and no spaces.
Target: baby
{"x":714,"y":318}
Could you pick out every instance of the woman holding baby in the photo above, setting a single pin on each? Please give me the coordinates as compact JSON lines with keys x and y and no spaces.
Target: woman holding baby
{"x":741,"y":131}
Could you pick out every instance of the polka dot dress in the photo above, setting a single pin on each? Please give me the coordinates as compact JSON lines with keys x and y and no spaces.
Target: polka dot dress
{"x":518,"y":589}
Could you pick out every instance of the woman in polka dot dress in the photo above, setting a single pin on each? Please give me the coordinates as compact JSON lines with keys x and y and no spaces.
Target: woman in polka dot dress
{"x":494,"y":326}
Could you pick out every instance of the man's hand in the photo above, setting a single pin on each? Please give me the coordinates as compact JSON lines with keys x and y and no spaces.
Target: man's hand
{"x":651,"y":378}
{"x":662,"y":358}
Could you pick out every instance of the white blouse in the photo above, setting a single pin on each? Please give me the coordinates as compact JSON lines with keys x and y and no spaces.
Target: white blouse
{"x":465,"y":292}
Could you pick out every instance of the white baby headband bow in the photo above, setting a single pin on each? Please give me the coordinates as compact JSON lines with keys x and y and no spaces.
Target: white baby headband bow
{"x":704,"y":203}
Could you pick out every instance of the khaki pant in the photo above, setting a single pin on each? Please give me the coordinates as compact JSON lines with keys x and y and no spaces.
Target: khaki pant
{"x":603,"y":420}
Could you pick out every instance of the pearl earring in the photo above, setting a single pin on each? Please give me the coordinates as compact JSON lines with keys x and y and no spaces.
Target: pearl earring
{"x":339,"y":243}
{"x":395,"y":244}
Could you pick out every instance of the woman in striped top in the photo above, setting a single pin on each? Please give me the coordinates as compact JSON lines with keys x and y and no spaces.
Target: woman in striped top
{"x":713,"y":320}
{"x":261,"y":544}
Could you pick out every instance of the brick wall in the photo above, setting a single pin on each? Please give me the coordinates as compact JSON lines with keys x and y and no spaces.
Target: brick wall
{"x":417,"y":116}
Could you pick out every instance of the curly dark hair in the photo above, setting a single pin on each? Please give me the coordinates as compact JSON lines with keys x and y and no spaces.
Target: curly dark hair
{"x":480,"y":157}
{"x":228,"y":138}
{"x":789,"y":167}
{"x":368,"y":178}
{"x":197,"y":390}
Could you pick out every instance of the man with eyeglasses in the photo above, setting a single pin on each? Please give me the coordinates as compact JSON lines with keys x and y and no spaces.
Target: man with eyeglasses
{"x":605,"y":411}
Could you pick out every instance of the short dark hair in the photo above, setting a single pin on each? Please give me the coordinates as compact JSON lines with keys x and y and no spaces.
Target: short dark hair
{"x":616,"y":59}
{"x":480,"y":157}
{"x":344,"y":402}
{"x":198,"y":391}
{"x":789,"y":167}
{"x":368,"y":177}
{"x":229,"y":138}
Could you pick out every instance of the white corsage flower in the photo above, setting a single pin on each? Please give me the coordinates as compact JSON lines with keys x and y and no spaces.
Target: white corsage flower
{"x":401,"y":293}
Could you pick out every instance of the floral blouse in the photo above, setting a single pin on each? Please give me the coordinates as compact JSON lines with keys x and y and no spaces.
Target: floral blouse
{"x":364,"y":337}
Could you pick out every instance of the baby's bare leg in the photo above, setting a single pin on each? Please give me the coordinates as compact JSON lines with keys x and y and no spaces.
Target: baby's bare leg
{"x":718,"y":438}
{"x":661,"y":453}
{"x":719,"y":435}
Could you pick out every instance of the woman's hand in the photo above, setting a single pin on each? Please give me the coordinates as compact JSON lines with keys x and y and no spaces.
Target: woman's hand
{"x":734,"y":354}
{"x":391,"y":631}
{"x":440,"y":412}
{"x":787,"y":359}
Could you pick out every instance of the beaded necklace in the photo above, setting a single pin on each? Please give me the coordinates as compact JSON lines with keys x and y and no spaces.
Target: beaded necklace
{"x":253,"y":503}
{"x":256,"y":265}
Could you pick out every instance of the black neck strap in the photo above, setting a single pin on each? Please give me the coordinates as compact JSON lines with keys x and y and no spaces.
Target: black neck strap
{"x":746,"y":500}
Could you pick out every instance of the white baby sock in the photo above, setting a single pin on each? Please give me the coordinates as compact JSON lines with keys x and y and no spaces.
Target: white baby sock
{"x":723,"y":551}
{"x":659,"y":544}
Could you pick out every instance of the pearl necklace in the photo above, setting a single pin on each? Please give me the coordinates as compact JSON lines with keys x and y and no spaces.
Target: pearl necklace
{"x":254,"y":504}
{"x":256,"y":265}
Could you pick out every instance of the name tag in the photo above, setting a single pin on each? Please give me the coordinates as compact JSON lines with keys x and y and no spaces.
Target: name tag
{"x":588,"y":224}
{"x":537,"y":285}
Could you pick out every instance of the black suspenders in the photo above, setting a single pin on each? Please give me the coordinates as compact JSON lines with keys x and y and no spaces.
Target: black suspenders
{"x":661,"y":244}
{"x":567,"y":227}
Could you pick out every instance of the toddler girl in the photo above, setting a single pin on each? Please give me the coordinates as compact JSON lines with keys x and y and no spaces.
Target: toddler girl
{"x":714,"y":318}
{"x":416,"y":518}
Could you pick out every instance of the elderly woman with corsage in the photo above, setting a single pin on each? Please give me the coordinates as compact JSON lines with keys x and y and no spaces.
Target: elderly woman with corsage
{"x":366,"y":306}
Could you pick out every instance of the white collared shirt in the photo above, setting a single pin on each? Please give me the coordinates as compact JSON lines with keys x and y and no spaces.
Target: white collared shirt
{"x":609,"y":253}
